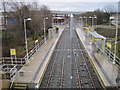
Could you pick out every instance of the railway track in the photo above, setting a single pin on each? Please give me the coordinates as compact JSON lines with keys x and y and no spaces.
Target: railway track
{"x":87,"y":77}
{"x":61,"y":73}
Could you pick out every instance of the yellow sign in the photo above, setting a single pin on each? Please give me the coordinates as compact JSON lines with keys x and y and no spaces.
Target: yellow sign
{"x":98,"y":39}
{"x":87,"y":29}
{"x":12,"y":52}
{"x":109,"y":45}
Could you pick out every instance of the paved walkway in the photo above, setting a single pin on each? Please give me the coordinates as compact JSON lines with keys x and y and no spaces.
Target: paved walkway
{"x":108,"y":72}
{"x":36,"y":63}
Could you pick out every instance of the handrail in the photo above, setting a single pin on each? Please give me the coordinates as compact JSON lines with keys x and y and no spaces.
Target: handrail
{"x":111,"y":56}
{"x":21,"y":61}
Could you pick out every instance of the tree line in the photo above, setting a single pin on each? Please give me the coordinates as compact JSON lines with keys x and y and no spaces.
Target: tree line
{"x":14,"y":15}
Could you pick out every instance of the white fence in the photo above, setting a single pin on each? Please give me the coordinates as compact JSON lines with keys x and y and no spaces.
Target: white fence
{"x":111,"y":56}
{"x":22,"y":61}
{"x":109,"y":53}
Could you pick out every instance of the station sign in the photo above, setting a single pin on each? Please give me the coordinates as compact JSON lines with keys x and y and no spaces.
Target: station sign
{"x":98,"y":39}
{"x":88,"y":29}
{"x":109,"y":45}
{"x":12,"y":51}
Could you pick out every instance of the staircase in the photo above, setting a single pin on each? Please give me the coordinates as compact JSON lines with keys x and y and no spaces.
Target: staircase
{"x":19,"y":86}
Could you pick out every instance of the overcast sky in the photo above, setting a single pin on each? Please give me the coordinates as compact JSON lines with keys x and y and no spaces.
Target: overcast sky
{"x":72,"y":0}
{"x":78,"y":6}
{"x":74,"y":5}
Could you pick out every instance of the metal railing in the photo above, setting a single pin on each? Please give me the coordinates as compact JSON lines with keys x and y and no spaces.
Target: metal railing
{"x":13,"y":61}
{"x":13,"y":72}
{"x":9,"y":69}
{"x":22,"y":61}
{"x":111,"y":56}
{"x":35,"y":49}
{"x":9,"y":65}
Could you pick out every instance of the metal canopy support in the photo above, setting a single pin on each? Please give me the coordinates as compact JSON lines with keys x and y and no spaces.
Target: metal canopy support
{"x":100,"y":38}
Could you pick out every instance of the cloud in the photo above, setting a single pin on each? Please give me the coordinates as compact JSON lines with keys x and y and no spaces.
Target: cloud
{"x":64,"y":0}
{"x":77,"y":6}
{"x":73,"y":5}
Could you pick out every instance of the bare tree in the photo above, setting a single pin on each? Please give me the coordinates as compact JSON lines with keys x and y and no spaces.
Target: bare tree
{"x":21,"y":10}
{"x":109,"y":9}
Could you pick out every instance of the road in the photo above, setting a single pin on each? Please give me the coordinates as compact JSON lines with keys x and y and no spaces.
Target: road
{"x":70,"y":66}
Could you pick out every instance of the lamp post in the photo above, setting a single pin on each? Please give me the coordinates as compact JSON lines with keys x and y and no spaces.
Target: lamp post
{"x":86,"y":20}
{"x":96,"y":19}
{"x":115,"y":39}
{"x":81,"y":20}
{"x":93,"y":19}
{"x":110,"y":20}
{"x":28,"y":19}
{"x":45,"y":28}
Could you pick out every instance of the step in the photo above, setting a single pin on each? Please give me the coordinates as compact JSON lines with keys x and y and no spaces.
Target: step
{"x":20,"y":86}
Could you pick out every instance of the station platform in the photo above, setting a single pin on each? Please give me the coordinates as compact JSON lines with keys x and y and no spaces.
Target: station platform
{"x":33,"y":72}
{"x":106,"y":70}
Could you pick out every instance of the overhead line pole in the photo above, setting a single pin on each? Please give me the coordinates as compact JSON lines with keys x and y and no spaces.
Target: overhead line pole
{"x":71,"y":37}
